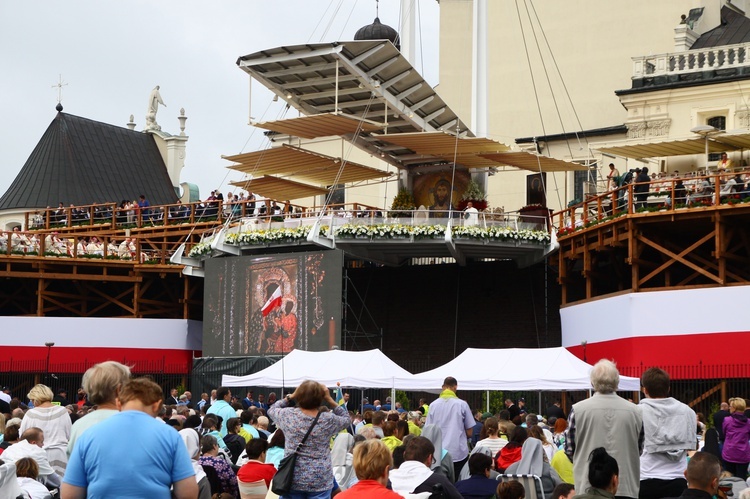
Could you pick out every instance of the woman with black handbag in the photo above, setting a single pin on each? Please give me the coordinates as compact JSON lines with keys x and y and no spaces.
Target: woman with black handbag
{"x":308,"y":430}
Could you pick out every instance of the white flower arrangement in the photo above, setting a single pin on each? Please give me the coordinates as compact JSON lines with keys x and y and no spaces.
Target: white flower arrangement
{"x":386,"y":231}
{"x":379,"y":231}
{"x":200,"y":249}
{"x":265,"y":236}
{"x":428,"y":231}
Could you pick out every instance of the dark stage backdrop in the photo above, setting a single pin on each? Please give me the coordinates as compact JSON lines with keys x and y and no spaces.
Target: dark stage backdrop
{"x":267,"y":305}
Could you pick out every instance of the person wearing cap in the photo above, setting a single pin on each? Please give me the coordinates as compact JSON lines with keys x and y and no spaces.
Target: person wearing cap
{"x":456,"y":421}
{"x":522,"y":406}
{"x":61,"y":398}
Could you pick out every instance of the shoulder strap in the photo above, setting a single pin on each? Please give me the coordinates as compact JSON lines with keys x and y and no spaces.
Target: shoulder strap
{"x":309,"y":430}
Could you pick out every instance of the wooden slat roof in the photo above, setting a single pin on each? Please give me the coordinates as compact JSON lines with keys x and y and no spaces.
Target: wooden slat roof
{"x":302,"y":165}
{"x":534,"y":162}
{"x":674,"y":147}
{"x":279,"y":188}
{"x":320,"y":125}
{"x":443,"y":144}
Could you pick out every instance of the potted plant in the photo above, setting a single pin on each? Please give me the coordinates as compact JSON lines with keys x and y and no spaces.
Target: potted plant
{"x":403,"y":204}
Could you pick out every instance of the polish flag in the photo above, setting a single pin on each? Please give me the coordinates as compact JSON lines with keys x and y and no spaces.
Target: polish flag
{"x":273,"y":302}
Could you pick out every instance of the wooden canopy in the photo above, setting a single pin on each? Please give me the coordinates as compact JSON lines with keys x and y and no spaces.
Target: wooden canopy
{"x":320,"y":125}
{"x":443,"y":144}
{"x":534,"y":162}
{"x":279,"y":188}
{"x":301,"y":164}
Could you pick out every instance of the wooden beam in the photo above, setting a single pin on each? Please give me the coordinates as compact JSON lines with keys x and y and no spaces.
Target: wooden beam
{"x":678,"y":257}
{"x":69,"y":277}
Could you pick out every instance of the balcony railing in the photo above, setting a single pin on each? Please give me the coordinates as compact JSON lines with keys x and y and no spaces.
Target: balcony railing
{"x":110,"y":216}
{"x":691,"y":61}
{"x":662,"y":195}
{"x":76,"y":246}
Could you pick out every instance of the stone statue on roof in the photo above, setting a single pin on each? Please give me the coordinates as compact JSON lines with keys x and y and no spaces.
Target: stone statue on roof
{"x":153,"y":106}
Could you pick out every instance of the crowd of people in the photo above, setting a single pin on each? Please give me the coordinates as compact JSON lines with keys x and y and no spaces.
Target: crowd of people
{"x":690,"y":188}
{"x":53,"y":244}
{"x":124,"y":438}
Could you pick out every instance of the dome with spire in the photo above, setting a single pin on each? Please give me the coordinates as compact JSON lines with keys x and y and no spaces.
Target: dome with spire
{"x":378,"y":31}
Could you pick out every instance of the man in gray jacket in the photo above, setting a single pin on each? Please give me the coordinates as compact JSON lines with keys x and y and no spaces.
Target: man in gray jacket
{"x":609,"y":421}
{"x":669,"y":428}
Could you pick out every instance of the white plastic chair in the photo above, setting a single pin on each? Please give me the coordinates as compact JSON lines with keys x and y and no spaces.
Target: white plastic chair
{"x":531,"y":484}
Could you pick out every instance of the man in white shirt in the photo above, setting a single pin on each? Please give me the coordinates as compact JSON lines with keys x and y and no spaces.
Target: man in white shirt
{"x":471,"y":215}
{"x":30,"y":445}
{"x":455,"y":419}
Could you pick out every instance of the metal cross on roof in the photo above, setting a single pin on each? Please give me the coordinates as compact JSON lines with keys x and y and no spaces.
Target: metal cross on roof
{"x":59,"y":86}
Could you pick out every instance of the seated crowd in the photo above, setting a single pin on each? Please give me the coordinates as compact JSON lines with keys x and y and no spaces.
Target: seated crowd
{"x":221,"y":445}
{"x":687,"y":188}
{"x":53,"y":244}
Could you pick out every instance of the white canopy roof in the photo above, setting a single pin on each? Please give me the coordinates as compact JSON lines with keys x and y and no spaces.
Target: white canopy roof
{"x":369,"y":369}
{"x":512,"y":369}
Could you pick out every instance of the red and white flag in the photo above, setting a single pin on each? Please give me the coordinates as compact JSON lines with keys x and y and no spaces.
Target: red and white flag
{"x":273,"y":302}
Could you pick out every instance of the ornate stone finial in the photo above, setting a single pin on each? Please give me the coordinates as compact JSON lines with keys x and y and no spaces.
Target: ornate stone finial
{"x":153,"y":106}
{"x":131,"y":123}
{"x":182,"y":118}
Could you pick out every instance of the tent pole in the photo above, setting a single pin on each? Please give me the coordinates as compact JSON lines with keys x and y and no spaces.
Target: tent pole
{"x":488,"y":401}
{"x":540,"y":403}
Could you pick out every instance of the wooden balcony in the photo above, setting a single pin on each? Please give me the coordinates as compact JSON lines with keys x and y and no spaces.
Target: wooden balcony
{"x":679,"y":239}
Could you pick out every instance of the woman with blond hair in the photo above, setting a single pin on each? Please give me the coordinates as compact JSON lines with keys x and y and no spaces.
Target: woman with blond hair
{"x":54,"y":421}
{"x":735,"y":455}
{"x":372,"y":461}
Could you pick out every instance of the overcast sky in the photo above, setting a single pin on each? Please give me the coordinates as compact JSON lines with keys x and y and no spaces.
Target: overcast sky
{"x":112,"y":54}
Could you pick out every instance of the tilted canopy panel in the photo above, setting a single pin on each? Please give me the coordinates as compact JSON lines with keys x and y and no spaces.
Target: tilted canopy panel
{"x":304,"y":165}
{"x":321,"y":125}
{"x":675,"y":147}
{"x":443,"y":144}
{"x":534,"y":162}
{"x":279,"y":188}
{"x":367,"y":79}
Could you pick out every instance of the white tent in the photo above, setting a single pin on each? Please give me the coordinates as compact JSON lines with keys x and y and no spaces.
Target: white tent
{"x":369,"y":369}
{"x":512,"y":369}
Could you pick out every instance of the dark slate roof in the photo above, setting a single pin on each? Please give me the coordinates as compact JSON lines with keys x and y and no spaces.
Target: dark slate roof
{"x":81,"y":161}
{"x":734,"y":28}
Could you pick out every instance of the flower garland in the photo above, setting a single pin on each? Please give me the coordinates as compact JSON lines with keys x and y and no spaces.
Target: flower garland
{"x":200,"y":249}
{"x":265,"y":236}
{"x":385,"y":231}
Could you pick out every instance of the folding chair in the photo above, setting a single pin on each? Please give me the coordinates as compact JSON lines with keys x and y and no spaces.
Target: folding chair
{"x":532,"y":484}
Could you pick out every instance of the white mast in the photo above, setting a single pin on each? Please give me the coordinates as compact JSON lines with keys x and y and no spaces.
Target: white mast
{"x":479,"y":99}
